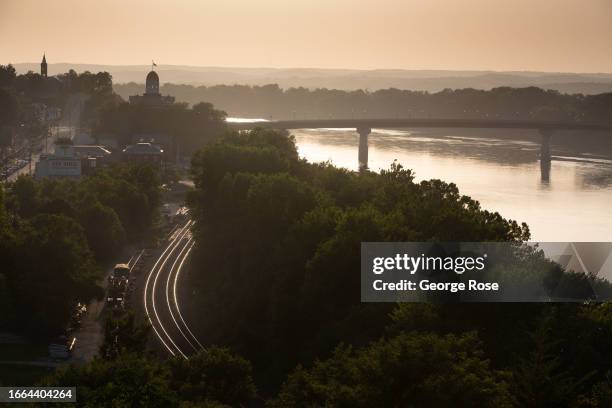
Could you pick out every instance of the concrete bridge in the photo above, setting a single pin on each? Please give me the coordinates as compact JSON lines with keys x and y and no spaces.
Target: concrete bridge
{"x":364,"y":127}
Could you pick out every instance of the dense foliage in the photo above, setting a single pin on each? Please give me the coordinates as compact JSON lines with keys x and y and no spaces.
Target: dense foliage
{"x":9,"y":108}
{"x":284,"y":237}
{"x":32,"y":87}
{"x":421,"y":370}
{"x":55,"y":234}
{"x":127,"y":373}
{"x":277,"y":270}
{"x":189,"y":129}
{"x":123,"y":334}
{"x":213,"y":378}
{"x":302,"y":103}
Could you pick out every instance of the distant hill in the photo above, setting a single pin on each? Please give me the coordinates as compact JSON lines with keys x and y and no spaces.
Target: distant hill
{"x":346,"y":79}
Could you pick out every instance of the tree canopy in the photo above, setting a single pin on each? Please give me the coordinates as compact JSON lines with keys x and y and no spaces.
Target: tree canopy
{"x":212,"y":378}
{"x":56,"y":233}
{"x":276,"y":266}
{"x":189,"y":128}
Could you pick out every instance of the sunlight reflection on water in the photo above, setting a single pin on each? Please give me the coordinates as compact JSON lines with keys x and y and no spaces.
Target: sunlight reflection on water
{"x":503,"y":174}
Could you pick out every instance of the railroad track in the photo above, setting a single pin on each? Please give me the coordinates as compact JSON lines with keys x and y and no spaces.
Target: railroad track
{"x":161,"y":300}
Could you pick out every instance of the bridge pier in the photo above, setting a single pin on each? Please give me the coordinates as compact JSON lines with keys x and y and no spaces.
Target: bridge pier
{"x":545,"y":156}
{"x":364,"y":132}
{"x":545,"y":147}
{"x":545,"y":172}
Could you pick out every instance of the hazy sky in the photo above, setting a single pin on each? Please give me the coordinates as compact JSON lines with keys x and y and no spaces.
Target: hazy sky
{"x":543,"y":35}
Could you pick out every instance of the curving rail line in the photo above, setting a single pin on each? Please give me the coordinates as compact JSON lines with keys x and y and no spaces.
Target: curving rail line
{"x":160,"y":295}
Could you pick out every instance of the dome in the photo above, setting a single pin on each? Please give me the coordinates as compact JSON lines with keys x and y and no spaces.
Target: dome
{"x":152,"y":84}
{"x":152,"y":76}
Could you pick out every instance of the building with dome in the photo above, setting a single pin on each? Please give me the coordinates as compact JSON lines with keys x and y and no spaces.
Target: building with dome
{"x":152,"y":97}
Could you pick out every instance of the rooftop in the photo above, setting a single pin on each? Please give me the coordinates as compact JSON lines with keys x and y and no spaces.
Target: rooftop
{"x":143,"y":148}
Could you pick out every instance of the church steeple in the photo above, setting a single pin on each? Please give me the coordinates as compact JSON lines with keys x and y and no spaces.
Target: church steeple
{"x":43,"y":67}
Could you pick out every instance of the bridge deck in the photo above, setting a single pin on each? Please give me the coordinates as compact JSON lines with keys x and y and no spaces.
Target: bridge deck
{"x":420,"y":123}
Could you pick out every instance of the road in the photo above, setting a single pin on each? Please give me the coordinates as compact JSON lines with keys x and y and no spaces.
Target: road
{"x":69,"y":127}
{"x":161,"y":301}
{"x":47,"y":147}
{"x":419,"y":123}
{"x":90,"y":335}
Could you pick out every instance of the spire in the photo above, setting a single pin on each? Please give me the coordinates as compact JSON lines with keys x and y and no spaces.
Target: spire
{"x":43,"y":66}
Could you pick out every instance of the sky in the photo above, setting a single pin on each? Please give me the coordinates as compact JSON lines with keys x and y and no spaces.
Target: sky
{"x":502,"y":35}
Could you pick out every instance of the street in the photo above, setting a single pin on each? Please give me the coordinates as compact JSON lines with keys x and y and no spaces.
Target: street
{"x":69,"y":127}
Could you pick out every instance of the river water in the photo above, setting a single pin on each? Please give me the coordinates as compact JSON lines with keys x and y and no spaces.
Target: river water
{"x":570,"y":201}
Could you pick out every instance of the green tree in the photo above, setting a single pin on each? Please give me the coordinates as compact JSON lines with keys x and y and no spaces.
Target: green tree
{"x":54,"y":269}
{"x":24,"y":198}
{"x":213,"y":379}
{"x":9,"y":108}
{"x":7,"y":76}
{"x":104,"y":231}
{"x":124,"y":335}
{"x":215,"y":374}
{"x":7,"y":313}
{"x":601,"y":396}
{"x":7,"y":250}
{"x":187,"y":129}
{"x":129,"y":381}
{"x":540,"y":380}
{"x":418,"y":370}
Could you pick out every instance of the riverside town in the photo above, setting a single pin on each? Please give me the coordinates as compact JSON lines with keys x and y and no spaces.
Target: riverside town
{"x":306,"y":203}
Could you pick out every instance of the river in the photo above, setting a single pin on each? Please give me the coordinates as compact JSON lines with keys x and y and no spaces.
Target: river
{"x":571,"y":201}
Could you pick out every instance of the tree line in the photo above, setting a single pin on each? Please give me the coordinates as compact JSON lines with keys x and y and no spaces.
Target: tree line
{"x":57,"y":235}
{"x":276,"y":267}
{"x":188,"y":129}
{"x":271,"y":101}
{"x":19,"y":91}
{"x":127,"y":373}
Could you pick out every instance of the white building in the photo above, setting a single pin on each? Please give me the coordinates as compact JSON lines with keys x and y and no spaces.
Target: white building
{"x":62,"y":163}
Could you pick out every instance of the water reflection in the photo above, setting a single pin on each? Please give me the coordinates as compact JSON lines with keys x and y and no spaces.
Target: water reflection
{"x":566,"y":199}
{"x":545,"y":172}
